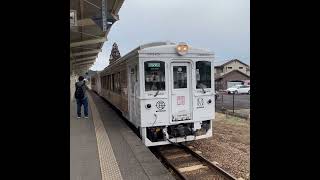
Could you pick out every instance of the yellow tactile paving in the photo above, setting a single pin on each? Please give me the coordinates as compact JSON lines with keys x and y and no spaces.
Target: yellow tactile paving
{"x":108,"y":164}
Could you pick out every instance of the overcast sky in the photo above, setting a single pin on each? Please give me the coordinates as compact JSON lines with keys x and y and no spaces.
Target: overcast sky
{"x":221,"y":26}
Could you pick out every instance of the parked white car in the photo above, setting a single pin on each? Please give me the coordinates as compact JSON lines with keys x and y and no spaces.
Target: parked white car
{"x":239,"y":89}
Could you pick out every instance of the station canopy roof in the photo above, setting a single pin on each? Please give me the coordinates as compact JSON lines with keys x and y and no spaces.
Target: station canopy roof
{"x":90,"y":23}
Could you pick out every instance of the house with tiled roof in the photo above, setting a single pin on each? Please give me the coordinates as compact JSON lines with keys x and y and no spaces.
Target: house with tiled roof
{"x":230,"y":72}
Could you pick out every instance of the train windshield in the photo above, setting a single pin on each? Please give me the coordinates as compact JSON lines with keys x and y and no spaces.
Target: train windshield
{"x":203,"y":74}
{"x":154,"y":76}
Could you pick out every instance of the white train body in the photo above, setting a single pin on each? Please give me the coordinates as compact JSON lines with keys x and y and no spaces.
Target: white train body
{"x":96,"y":83}
{"x":166,"y":90}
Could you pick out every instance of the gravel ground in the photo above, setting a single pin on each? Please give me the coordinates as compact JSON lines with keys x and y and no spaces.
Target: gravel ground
{"x":229,"y":146}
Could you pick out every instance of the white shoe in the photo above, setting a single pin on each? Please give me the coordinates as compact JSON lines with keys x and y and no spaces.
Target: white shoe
{"x":86,"y":117}
{"x":78,"y":117}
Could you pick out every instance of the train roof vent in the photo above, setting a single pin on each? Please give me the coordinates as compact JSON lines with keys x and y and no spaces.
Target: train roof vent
{"x":156,"y":44}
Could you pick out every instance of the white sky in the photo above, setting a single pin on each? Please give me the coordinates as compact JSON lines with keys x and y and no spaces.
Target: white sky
{"x":222,"y":26}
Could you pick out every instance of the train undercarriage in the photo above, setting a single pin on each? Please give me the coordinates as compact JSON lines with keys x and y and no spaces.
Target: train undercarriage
{"x":160,"y":135}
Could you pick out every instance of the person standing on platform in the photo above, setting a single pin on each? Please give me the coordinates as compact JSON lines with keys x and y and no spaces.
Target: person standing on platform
{"x":81,"y":97}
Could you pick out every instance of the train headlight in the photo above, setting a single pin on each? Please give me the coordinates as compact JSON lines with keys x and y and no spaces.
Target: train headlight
{"x":209,"y":101}
{"x":182,"y":48}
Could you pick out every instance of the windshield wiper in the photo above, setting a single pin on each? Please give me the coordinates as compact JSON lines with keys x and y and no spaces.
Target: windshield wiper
{"x":203,"y":89}
{"x":156,"y":93}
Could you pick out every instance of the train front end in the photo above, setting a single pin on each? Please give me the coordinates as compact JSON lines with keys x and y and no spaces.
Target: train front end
{"x":177,"y":102}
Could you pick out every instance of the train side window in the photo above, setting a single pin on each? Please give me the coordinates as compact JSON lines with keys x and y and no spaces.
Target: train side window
{"x":93,"y":81}
{"x":115,"y":84}
{"x":154,"y":76}
{"x":203,"y":74}
{"x":103,"y":82}
{"x":118,"y":83}
{"x":101,"y":79}
{"x":112,"y":82}
{"x":132,"y":85}
{"x":123,"y":81}
{"x":109,"y":82}
{"x":136,"y":70}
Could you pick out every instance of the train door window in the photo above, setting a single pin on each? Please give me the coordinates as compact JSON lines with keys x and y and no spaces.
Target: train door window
{"x":180,"y":77}
{"x":203,"y":74}
{"x":154,"y":75}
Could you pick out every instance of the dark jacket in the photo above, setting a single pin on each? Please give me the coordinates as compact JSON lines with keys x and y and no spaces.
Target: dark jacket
{"x":82,"y":83}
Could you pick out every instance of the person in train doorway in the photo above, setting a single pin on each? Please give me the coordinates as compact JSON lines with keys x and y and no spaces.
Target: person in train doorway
{"x":81,"y":97}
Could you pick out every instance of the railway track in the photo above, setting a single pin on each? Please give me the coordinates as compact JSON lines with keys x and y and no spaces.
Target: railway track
{"x":188,"y":164}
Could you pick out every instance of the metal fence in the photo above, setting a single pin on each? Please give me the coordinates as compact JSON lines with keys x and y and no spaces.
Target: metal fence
{"x":233,"y":103}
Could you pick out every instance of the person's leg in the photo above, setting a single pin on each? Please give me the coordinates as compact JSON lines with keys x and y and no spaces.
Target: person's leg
{"x":85,"y":106}
{"x":79,"y":107}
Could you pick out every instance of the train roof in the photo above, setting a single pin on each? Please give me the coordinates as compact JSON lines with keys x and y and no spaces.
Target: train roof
{"x":154,"y":44}
{"x":165,"y":47}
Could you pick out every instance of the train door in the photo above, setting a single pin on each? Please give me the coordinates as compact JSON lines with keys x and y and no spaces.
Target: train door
{"x":181,"y":92}
{"x":132,"y":91}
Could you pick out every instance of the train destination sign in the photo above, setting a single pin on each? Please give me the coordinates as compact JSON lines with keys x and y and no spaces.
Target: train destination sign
{"x":153,"y":64}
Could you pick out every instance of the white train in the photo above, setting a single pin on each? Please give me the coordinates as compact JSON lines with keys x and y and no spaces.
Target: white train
{"x":166,"y":90}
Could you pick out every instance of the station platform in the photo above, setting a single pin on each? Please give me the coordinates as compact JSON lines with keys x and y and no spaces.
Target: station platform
{"x":104,"y":147}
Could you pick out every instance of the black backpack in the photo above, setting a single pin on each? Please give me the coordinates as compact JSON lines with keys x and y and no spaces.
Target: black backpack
{"x":79,"y":94}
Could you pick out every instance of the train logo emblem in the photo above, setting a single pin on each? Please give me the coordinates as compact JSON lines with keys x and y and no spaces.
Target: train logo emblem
{"x":200,"y":102}
{"x":160,"y":105}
